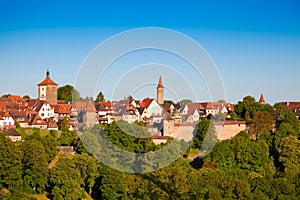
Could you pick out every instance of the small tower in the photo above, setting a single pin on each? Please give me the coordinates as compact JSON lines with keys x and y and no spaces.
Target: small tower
{"x":160,"y":91}
{"x":262,"y":99}
{"x":47,"y":90}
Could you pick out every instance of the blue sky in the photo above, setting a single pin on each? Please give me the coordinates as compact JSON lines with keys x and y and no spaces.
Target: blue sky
{"x":255,"y":44}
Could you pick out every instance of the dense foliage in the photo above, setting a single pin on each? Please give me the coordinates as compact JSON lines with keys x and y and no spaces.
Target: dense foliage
{"x":240,"y":168}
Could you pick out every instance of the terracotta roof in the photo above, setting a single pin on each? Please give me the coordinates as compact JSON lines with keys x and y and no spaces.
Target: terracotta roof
{"x":51,"y":124}
{"x":146,"y":102}
{"x":64,"y":108}
{"x":47,"y":81}
{"x":1,"y":118}
{"x":84,"y":105}
{"x":37,"y":120}
{"x":6,"y":114}
{"x":262,"y":98}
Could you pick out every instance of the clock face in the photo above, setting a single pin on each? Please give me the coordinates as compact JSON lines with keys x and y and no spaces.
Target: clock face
{"x":42,"y":96}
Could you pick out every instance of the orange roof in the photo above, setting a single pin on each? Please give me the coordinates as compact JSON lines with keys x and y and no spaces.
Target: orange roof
{"x":6,"y":114}
{"x":106,"y":104}
{"x":64,"y":108}
{"x":146,"y":102}
{"x":47,"y":81}
{"x":262,"y":98}
{"x":38,"y":121}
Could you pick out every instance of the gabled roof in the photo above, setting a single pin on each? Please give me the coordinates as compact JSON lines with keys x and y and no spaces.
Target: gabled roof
{"x":37,"y":104}
{"x":63,"y":108}
{"x":37,"y":120}
{"x":87,"y":106}
{"x":51,"y":124}
{"x":47,"y":81}
{"x":146,"y":102}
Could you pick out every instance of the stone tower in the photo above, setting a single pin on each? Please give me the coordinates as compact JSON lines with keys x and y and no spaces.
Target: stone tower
{"x":160,"y":91}
{"x":47,"y":90}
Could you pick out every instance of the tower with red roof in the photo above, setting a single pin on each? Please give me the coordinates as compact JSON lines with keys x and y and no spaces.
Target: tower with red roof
{"x":160,"y":91}
{"x":47,"y":90}
{"x":262,"y":99}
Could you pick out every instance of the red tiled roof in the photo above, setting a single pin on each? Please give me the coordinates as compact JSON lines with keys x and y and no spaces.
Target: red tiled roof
{"x":47,"y":81}
{"x":64,"y":108}
{"x":146,"y":102}
{"x":52,"y":124}
{"x":84,"y":105}
{"x":37,"y":120}
{"x":262,"y":99}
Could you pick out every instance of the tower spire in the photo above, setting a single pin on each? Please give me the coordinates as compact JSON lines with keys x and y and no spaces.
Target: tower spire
{"x":47,"y":73}
{"x":160,"y":91}
{"x":262,"y":99}
{"x":160,"y":83}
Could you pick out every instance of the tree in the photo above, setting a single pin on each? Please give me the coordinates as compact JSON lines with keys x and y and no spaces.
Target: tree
{"x":6,"y":95}
{"x":100,"y":97}
{"x":10,"y":164}
{"x":262,"y":120}
{"x":289,"y":156}
{"x":65,"y":181}
{"x":186,"y":101}
{"x":88,"y":168}
{"x":168,"y":102}
{"x":26,"y":97}
{"x":245,"y":109}
{"x":68,"y":93}
{"x":110,"y":184}
{"x":206,"y":130}
{"x":35,"y":165}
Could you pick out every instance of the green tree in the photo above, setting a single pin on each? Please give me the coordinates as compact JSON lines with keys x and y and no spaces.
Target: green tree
{"x":111,"y":184}
{"x":289,"y":156}
{"x":65,"y":181}
{"x":100,"y":97}
{"x":10,"y":164}
{"x":205,"y":128}
{"x":262,"y":120}
{"x":6,"y":95}
{"x":186,"y":101}
{"x":35,"y":165}
{"x":88,"y":168}
{"x":26,"y":97}
{"x":168,"y":102}
{"x":68,"y":93}
{"x":245,"y":109}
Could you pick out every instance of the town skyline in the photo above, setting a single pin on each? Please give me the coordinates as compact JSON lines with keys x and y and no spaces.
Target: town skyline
{"x":255,"y":50}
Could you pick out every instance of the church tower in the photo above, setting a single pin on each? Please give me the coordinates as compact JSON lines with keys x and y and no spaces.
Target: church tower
{"x":262,"y":99}
{"x":47,"y":90}
{"x":160,"y":91}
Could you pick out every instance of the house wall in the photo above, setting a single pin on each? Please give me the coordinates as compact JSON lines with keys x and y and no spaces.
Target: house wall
{"x":169,"y":128}
{"x":154,"y":109}
{"x":46,"y":111}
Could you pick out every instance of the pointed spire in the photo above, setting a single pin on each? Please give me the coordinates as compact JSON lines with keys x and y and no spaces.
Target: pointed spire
{"x":160,"y":83}
{"x":47,"y":73}
{"x":262,"y":99}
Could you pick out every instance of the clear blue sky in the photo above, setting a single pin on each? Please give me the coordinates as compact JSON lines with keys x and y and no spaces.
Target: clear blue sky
{"x":255,"y":44}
